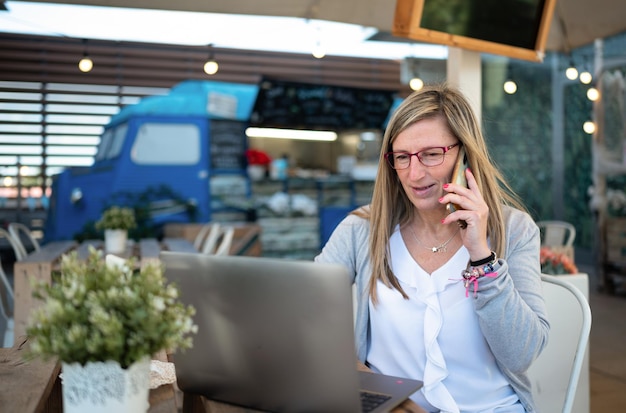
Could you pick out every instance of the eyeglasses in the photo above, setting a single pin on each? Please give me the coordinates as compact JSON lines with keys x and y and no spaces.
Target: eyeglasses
{"x":427,"y":157}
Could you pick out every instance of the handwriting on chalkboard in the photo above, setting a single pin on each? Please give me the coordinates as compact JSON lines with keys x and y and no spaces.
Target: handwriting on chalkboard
{"x":228,"y":144}
{"x":283,"y":104}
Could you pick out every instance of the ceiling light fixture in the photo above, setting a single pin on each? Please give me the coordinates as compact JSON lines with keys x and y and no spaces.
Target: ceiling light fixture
{"x":210,"y":66}
{"x":85,"y":64}
{"x":310,"y":135}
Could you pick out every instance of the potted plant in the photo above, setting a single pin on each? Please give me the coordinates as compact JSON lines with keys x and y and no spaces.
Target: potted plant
{"x":103,"y":322}
{"x":116,"y":221}
{"x":556,"y":263}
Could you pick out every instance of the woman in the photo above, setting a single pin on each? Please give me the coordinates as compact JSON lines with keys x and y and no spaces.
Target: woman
{"x":453,"y":299}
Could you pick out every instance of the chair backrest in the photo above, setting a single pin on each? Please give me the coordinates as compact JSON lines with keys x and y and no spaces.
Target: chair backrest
{"x":201,"y":236}
{"x":17,"y":246}
{"x":226,"y":241}
{"x":6,"y":327}
{"x":557,"y":233}
{"x":555,"y":374}
{"x":6,"y":310}
{"x":7,"y":296}
{"x":210,"y":242}
{"x":17,"y":230}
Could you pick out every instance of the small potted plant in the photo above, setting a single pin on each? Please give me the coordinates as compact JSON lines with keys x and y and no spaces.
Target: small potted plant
{"x":116,"y":221}
{"x":103,"y":322}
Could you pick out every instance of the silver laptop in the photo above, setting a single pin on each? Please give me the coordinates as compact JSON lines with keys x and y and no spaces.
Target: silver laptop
{"x":274,"y":335}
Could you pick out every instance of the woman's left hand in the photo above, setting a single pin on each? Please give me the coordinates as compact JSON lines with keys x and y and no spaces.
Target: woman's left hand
{"x":474,"y":211}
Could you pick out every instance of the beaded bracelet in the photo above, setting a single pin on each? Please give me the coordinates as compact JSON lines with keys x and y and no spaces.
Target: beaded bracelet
{"x":473,"y":273}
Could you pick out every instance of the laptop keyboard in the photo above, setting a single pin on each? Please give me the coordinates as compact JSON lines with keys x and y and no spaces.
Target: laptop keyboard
{"x":370,"y":401}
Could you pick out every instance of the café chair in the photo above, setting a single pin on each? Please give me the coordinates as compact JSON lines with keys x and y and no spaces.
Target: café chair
{"x":226,"y":241}
{"x":18,"y":249}
{"x":210,"y":241}
{"x":17,"y":230}
{"x":555,"y":374}
{"x":219,"y":240}
{"x":201,"y":236}
{"x":557,"y":233}
{"x":6,"y":310}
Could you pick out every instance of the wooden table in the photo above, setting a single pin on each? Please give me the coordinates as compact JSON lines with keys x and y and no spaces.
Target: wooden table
{"x":34,"y":386}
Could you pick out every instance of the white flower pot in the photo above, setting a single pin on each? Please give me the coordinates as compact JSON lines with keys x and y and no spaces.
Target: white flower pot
{"x":115,"y":240}
{"x":104,"y":387}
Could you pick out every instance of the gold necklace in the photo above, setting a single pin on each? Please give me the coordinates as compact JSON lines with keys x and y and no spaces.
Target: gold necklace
{"x":440,"y":248}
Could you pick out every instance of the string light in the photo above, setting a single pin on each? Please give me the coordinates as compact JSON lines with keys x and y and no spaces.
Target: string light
{"x":510,"y":87}
{"x":571,"y":72}
{"x":593,"y":94}
{"x":416,"y":83}
{"x":85,"y":64}
{"x":210,"y":66}
{"x":589,"y":127}
{"x":585,"y":77}
{"x":318,"y":51}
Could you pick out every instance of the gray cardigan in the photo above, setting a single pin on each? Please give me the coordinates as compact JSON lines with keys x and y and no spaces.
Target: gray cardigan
{"x":510,"y":308}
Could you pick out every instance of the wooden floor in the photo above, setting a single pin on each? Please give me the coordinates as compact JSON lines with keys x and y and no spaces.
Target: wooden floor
{"x":607,"y":353}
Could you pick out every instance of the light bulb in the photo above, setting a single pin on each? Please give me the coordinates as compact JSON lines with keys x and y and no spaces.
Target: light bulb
{"x":85,"y":65}
{"x":318,"y":51}
{"x":589,"y":127}
{"x":571,"y":73}
{"x":585,"y":77}
{"x":510,"y":87}
{"x":416,"y":83}
{"x":593,"y":94}
{"x":211,"y":67}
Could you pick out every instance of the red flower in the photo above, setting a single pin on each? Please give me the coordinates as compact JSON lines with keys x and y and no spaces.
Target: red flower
{"x":553,"y":262}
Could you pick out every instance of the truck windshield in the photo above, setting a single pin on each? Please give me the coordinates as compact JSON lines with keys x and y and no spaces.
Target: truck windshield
{"x":111,"y":142}
{"x":167,"y":144}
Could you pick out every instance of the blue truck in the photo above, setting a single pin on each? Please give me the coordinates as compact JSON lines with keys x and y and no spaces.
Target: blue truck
{"x":177,"y":156}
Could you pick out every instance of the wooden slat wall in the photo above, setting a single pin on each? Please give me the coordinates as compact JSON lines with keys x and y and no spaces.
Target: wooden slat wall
{"x":55,"y":59}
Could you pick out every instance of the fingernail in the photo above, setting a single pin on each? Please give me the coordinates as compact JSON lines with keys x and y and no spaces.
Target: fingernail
{"x":469,"y":169}
{"x":445,"y":186}
{"x":443,"y":220}
{"x":440,"y":199}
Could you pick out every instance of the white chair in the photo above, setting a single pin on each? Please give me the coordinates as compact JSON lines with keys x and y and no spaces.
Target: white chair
{"x":210,"y":241}
{"x":226,"y":241}
{"x":6,"y":310}
{"x":17,"y":230}
{"x":219,"y":240}
{"x":201,"y":236}
{"x":557,"y":233}
{"x":18,"y":249}
{"x":555,"y":374}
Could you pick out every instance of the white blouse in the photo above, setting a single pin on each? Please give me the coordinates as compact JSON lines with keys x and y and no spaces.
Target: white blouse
{"x":435,"y":337}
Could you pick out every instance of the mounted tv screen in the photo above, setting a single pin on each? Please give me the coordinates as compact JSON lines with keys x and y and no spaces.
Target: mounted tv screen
{"x":514,"y":28}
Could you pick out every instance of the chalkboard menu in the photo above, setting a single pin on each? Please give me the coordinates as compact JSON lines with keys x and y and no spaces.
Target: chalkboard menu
{"x":284,"y":104}
{"x":228,"y":144}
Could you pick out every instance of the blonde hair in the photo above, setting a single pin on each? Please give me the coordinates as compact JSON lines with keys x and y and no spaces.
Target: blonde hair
{"x":390,"y":206}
